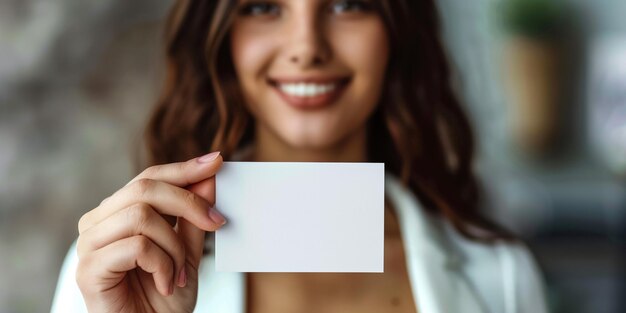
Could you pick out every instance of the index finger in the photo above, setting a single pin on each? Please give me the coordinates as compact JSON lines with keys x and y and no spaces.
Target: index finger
{"x":185,"y":173}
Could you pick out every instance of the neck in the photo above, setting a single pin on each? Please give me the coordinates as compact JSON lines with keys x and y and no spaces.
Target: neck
{"x":269,"y":148}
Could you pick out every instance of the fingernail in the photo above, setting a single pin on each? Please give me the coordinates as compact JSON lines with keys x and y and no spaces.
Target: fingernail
{"x":209,"y":157}
{"x":182,"y":278}
{"x":216,"y":216}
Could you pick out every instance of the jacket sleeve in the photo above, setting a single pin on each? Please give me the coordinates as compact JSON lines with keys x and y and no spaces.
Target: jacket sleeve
{"x":525,"y":286}
{"x":67,"y":297}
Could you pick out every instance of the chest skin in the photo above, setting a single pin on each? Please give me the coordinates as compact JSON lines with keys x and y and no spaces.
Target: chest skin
{"x":338,"y":292}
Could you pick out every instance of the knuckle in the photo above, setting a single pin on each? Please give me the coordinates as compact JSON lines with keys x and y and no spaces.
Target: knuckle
{"x":191,"y":199}
{"x":104,"y":200}
{"x":80,"y":277}
{"x":80,"y":247}
{"x":141,"y":245}
{"x":152,"y":171}
{"x":140,"y":214}
{"x":82,"y":223}
{"x":82,"y":272}
{"x":142,"y":186}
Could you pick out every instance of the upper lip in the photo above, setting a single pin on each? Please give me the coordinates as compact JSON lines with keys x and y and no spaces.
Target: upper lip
{"x":310,"y":79}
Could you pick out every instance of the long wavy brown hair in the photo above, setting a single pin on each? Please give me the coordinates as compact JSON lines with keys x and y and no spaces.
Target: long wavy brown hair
{"x":418,"y":130}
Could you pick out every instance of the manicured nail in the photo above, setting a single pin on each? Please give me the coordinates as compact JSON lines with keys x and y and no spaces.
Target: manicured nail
{"x":216,"y":216}
{"x":209,"y":157}
{"x":182,"y":278}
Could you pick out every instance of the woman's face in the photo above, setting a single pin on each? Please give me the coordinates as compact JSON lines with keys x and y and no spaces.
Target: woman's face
{"x":311,"y":70}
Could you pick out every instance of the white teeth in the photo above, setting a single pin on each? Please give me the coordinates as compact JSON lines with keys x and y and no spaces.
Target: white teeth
{"x":306,"y":90}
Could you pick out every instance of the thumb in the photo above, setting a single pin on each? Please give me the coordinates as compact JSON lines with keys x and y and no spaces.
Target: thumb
{"x":192,"y":236}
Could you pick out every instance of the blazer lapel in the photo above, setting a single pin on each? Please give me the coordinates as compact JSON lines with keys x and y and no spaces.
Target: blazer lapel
{"x":220,"y":291}
{"x":435,"y":268}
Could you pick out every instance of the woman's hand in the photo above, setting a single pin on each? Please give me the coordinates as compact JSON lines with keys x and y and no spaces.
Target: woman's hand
{"x":140,"y":249}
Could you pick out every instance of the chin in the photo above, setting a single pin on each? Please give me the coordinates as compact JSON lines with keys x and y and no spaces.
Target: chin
{"x":309,"y":136}
{"x":307,"y":141}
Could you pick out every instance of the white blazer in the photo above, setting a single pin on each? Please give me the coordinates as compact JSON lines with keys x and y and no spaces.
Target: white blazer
{"x":448,"y":273}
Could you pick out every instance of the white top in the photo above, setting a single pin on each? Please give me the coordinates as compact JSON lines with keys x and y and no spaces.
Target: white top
{"x":448,"y":273}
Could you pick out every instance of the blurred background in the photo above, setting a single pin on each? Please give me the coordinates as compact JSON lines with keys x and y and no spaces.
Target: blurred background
{"x":544,"y":83}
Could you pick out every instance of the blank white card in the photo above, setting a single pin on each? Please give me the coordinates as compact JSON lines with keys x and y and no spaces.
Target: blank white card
{"x":300,"y":217}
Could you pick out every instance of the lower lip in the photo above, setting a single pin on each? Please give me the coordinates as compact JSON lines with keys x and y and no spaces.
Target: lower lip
{"x":319,"y":101}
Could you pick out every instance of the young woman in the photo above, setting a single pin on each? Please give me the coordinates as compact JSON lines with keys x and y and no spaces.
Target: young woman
{"x":302,"y":80}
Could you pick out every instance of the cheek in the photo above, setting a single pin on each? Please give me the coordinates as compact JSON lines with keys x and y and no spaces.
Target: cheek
{"x":366,"y":52}
{"x":250,"y":50}
{"x":362,"y":48}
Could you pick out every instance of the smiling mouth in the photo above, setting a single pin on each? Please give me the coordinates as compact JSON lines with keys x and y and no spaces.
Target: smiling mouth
{"x":309,"y":93}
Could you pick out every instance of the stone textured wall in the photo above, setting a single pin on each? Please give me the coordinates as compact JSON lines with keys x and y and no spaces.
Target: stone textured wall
{"x":77,"y":79}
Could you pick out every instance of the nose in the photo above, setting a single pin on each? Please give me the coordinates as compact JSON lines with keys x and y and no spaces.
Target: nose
{"x":307,"y":43}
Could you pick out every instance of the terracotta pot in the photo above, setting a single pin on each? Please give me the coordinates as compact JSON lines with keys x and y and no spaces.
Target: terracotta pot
{"x":532,"y":78}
